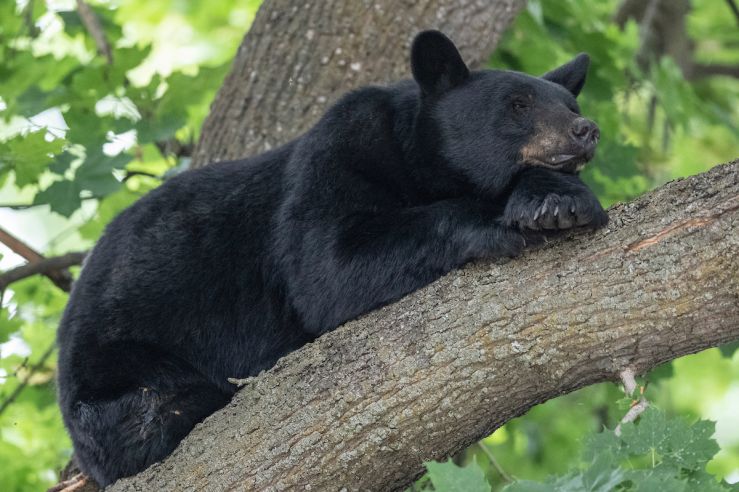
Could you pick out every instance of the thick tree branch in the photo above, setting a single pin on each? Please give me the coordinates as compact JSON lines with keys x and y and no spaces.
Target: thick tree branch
{"x":365,"y":405}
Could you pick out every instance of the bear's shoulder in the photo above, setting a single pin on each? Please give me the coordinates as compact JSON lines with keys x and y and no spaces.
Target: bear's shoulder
{"x":364,"y":108}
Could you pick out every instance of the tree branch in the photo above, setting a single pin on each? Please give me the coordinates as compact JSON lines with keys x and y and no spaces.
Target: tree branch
{"x":701,"y":70}
{"x":92,"y":23}
{"x":734,"y":9}
{"x":364,"y":406}
{"x":33,"y":370}
{"x":663,"y":31}
{"x":60,"y":276}
{"x":46,"y":266}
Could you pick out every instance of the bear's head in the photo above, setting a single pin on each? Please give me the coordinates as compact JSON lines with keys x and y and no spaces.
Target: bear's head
{"x":492,"y":123}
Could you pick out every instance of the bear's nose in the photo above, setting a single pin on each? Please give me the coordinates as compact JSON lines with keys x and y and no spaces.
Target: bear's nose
{"x":585,"y":132}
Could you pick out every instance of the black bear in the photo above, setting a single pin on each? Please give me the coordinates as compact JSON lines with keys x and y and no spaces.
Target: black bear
{"x":222,"y":270}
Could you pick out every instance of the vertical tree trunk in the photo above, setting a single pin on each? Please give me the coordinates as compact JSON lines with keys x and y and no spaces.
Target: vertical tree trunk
{"x":300,"y":57}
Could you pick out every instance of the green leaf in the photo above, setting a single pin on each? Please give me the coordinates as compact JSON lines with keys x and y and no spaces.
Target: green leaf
{"x":62,"y":196}
{"x":160,"y":127}
{"x":96,"y":173}
{"x":62,"y":162}
{"x":690,"y":446}
{"x":647,"y":436}
{"x":8,"y":325}
{"x":662,"y":371}
{"x":31,"y":102}
{"x":529,"y":486}
{"x":603,"y":475}
{"x":729,"y":349}
{"x":448,"y":477}
{"x":655,"y":479}
{"x":702,"y":481}
{"x":602,"y":443}
{"x":29,"y":155}
{"x":671,"y":441}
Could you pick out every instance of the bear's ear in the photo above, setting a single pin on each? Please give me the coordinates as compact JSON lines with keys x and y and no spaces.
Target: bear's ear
{"x":436,"y":63}
{"x":571,"y":75}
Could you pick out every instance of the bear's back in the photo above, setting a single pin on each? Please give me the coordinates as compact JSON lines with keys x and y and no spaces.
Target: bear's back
{"x":182,"y":269}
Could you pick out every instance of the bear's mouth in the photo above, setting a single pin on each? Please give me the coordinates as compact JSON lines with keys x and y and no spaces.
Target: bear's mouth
{"x":568,"y":163}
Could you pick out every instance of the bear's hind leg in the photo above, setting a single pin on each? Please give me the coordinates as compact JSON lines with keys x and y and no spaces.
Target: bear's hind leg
{"x":122,"y":435}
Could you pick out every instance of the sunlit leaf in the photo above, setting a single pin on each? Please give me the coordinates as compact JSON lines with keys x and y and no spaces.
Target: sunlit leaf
{"x":448,"y":477}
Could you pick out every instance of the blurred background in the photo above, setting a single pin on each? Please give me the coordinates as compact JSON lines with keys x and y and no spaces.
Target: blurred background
{"x":82,"y":138}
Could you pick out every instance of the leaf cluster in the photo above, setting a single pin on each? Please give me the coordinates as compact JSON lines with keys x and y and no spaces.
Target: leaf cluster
{"x":655,"y":453}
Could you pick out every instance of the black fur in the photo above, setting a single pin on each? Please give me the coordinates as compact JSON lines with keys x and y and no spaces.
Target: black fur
{"x":222,"y":270}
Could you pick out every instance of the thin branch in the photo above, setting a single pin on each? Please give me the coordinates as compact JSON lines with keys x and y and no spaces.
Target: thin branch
{"x":55,"y":269}
{"x":33,"y":370}
{"x":648,"y":35}
{"x":175,"y":147}
{"x":19,"y":247}
{"x":505,"y":476}
{"x":33,"y":30}
{"x":734,"y":8}
{"x":131,"y":174}
{"x":700,"y":70}
{"x":95,"y":28}
{"x":61,"y":277}
{"x":46,"y":266}
{"x":629,"y":9}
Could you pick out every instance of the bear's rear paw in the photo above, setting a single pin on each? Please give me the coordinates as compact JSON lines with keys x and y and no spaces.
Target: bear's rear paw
{"x":557,"y":212}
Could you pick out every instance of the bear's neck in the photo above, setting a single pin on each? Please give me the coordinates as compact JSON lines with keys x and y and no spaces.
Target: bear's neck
{"x":428,"y":171}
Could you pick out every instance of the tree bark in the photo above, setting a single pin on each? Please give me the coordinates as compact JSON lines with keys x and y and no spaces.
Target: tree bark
{"x":364,"y":406}
{"x":298,"y":58}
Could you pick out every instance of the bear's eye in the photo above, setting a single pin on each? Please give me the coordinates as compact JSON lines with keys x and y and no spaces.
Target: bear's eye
{"x":520,"y":105}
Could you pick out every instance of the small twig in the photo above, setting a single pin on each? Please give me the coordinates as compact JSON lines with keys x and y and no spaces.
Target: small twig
{"x":131,"y":174}
{"x":647,"y":34}
{"x":505,"y":476}
{"x":628,"y":378}
{"x":174,"y":147}
{"x":31,"y":371}
{"x":75,"y":483}
{"x":629,"y":381}
{"x":45,"y":266}
{"x":95,"y":28}
{"x":239,"y":382}
{"x":33,"y":31}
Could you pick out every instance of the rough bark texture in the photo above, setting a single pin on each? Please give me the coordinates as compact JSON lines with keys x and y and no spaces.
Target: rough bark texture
{"x":298,"y":58}
{"x":365,"y":405}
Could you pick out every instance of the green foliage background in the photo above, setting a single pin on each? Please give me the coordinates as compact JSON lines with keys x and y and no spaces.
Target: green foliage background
{"x":80,"y":139}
